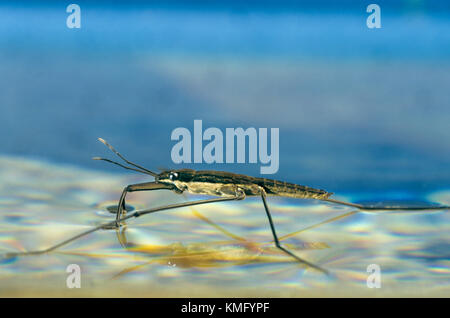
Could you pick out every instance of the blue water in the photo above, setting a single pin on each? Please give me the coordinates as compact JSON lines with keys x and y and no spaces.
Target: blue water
{"x":358,"y":109}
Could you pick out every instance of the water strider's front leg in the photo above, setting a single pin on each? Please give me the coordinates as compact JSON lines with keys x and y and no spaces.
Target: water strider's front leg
{"x":147,"y":186}
{"x":277,"y":242}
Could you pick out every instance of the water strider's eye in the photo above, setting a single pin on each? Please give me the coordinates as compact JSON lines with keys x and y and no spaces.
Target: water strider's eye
{"x":173,"y":176}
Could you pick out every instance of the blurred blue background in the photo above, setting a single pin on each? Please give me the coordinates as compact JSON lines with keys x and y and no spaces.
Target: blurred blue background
{"x":358,"y":109}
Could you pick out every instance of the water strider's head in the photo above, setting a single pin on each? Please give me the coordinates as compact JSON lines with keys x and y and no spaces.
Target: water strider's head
{"x":178,"y":178}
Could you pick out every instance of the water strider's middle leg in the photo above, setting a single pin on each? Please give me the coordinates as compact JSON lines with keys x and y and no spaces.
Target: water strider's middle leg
{"x":135,"y":214}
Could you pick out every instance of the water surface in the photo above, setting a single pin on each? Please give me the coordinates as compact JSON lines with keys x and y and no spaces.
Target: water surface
{"x":222,"y":249}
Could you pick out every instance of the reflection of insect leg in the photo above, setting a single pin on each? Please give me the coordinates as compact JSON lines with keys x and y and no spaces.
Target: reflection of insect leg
{"x":217,"y":226}
{"x":235,"y":237}
{"x":319,"y":224}
{"x":277,"y":242}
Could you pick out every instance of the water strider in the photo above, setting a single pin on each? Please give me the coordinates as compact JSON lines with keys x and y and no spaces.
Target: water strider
{"x":226,"y":186}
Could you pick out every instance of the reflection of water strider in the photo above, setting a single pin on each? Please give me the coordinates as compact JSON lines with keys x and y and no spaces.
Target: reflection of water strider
{"x":228,"y":186}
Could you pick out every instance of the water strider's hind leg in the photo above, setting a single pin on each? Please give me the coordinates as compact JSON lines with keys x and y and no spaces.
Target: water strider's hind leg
{"x":147,"y":186}
{"x":277,"y":242}
{"x":387,"y":207}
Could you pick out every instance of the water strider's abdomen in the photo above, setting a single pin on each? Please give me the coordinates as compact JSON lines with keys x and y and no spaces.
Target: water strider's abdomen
{"x":291,"y":190}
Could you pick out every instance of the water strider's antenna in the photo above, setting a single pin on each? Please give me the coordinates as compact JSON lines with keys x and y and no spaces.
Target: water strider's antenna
{"x":119,"y":164}
{"x":124,"y":159}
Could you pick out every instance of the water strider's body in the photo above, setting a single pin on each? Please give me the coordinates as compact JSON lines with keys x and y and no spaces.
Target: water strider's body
{"x":224,"y":185}
{"x":220,"y":183}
